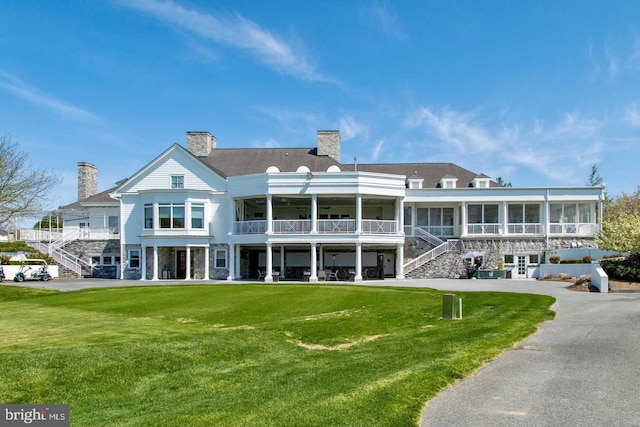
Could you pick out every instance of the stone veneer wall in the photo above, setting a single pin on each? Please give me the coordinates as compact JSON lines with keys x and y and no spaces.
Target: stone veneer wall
{"x":450,"y":265}
{"x":85,"y":249}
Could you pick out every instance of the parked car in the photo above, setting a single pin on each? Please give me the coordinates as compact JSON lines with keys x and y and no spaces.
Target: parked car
{"x":33,"y":269}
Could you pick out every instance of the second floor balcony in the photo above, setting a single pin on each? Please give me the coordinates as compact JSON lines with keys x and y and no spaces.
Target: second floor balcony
{"x":324,"y":226}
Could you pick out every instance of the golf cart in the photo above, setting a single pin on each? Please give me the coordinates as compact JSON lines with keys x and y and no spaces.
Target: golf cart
{"x":33,"y":269}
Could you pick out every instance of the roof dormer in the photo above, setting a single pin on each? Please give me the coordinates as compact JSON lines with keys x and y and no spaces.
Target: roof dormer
{"x":415,"y":181}
{"x":481,"y":181}
{"x":448,"y":181}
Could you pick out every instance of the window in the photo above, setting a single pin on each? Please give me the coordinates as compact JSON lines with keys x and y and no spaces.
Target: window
{"x":134,"y":258}
{"x":569,"y":213}
{"x":524,"y":213}
{"x":508,"y":259}
{"x":171,"y":216}
{"x":482,"y":214}
{"x":148,"y":216}
{"x":177,"y":181}
{"x":220,"y":258}
{"x":113,"y":223}
{"x":197,"y":216}
{"x":534,"y":259}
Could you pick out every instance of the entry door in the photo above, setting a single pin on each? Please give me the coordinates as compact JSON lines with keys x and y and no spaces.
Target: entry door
{"x":521,"y":266}
{"x":181,"y":264}
{"x":84,"y":230}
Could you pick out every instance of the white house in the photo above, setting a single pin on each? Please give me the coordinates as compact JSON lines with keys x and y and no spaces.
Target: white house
{"x":204,"y":212}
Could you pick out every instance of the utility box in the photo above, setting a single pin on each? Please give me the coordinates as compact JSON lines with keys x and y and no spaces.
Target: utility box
{"x":448,"y":306}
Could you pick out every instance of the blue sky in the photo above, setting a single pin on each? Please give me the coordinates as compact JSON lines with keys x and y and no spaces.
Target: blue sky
{"x":535,"y":92}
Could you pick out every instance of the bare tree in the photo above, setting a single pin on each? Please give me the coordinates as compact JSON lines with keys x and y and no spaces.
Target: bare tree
{"x":23,"y":188}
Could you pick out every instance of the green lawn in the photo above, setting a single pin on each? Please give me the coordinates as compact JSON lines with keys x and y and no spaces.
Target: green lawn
{"x":249,"y":355}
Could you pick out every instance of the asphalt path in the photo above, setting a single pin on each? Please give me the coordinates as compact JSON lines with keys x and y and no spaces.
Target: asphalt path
{"x":581,"y":369}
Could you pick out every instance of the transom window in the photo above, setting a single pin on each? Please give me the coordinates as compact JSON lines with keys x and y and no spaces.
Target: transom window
{"x":177,"y":181}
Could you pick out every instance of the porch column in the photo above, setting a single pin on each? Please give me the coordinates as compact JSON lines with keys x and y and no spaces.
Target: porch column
{"x":463,"y":219}
{"x":143,"y":263}
{"x":206,"y":262}
{"x":400,"y":262}
{"x":155,"y":263}
{"x":269,"y":267}
{"x":188,"y":262}
{"x":321,"y":266}
{"x":314,"y":264}
{"x":282,"y":262}
{"x":232,"y":262}
{"x":358,"y":213}
{"x":545,"y":215}
{"x":269,"y":220}
{"x":601,"y":200}
{"x":123,"y":260}
{"x":314,"y":214}
{"x":505,"y":218}
{"x":400,"y":215}
{"x":358,"y":277}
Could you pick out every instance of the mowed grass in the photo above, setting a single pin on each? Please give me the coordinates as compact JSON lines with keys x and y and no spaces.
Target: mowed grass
{"x":249,"y":355}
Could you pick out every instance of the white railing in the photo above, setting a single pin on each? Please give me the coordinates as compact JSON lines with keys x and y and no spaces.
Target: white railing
{"x":575,"y":229}
{"x":451,"y":245}
{"x":336,"y":226}
{"x":376,"y":226}
{"x":484,"y":228}
{"x":34,"y":235}
{"x":430,"y":238}
{"x":250,"y":227}
{"x":524,"y":228}
{"x":291,"y":226}
{"x":62,"y":257}
{"x":61,"y":237}
{"x":441,"y":230}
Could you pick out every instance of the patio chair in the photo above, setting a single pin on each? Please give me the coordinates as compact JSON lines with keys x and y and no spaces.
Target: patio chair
{"x":333,"y":275}
{"x":322,"y":275}
{"x":261,"y":274}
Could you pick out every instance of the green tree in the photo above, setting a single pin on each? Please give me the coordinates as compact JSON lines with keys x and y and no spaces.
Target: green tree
{"x":23,"y":188}
{"x":502,"y":183}
{"x":594,"y":177}
{"x":621,"y":223}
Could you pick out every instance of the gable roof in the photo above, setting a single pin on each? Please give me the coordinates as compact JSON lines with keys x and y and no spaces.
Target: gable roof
{"x":102,"y":198}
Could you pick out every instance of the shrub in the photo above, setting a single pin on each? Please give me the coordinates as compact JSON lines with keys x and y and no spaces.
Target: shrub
{"x":554,"y":259}
{"x":564,"y":276}
{"x":585,"y":278}
{"x":628,"y":269}
{"x":586,"y":259}
{"x":548,"y":276}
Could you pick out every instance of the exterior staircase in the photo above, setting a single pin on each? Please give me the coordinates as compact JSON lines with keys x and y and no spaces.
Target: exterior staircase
{"x":451,"y":245}
{"x":65,"y":259}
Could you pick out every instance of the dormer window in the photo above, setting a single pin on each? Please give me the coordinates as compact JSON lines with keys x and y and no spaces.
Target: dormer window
{"x":415,"y":181}
{"x":448,"y":181}
{"x":481,"y":183}
{"x":177,"y":181}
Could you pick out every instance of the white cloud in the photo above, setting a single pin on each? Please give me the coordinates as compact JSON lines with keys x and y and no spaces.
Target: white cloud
{"x":349,"y":128}
{"x":268,"y":143}
{"x":632,"y":116}
{"x":559,"y":151}
{"x":235,"y":31}
{"x":34,"y":96}
{"x":377,"y":150}
{"x":380,"y":16}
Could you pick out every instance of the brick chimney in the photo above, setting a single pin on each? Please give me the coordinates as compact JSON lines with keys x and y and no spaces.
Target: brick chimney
{"x":200,"y":144}
{"x":87,"y":180}
{"x":329,"y":144}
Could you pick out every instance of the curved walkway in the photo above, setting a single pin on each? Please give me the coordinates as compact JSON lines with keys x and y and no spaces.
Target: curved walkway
{"x":581,"y":369}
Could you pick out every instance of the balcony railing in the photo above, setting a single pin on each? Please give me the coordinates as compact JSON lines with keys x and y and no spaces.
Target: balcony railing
{"x":376,"y":226}
{"x":336,"y":226}
{"x":291,"y":226}
{"x":574,"y":229}
{"x":484,"y":228}
{"x":529,"y":228}
{"x":250,"y":227}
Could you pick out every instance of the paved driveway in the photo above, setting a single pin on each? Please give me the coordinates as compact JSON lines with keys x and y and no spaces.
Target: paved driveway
{"x":581,"y":369}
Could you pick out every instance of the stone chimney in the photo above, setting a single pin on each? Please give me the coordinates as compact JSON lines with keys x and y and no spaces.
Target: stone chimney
{"x":200,"y":144}
{"x":329,"y":144}
{"x":87,"y":180}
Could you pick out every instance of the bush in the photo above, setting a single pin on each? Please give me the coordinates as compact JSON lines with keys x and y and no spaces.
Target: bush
{"x":628,"y":269}
{"x":548,"y":276}
{"x":564,"y":276}
{"x":554,"y":259}
{"x":586,"y":260}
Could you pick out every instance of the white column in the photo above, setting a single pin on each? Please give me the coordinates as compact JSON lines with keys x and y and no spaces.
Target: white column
{"x":232,"y":217}
{"x":207,"y":253}
{"x":314,"y":214}
{"x":321,"y":266}
{"x":463,"y":219}
{"x":505,"y":218}
{"x":232,"y":262}
{"x":314,"y":264}
{"x":358,"y":277}
{"x":269,"y":218}
{"x":269,"y":267}
{"x":143,"y":263}
{"x":155,"y":263}
{"x":401,"y":215}
{"x":400,"y":262}
{"x":188,"y":262}
{"x":358,"y":213}
{"x":282,"y":262}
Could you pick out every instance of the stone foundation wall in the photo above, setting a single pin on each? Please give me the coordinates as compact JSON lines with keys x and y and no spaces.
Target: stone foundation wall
{"x":85,"y":249}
